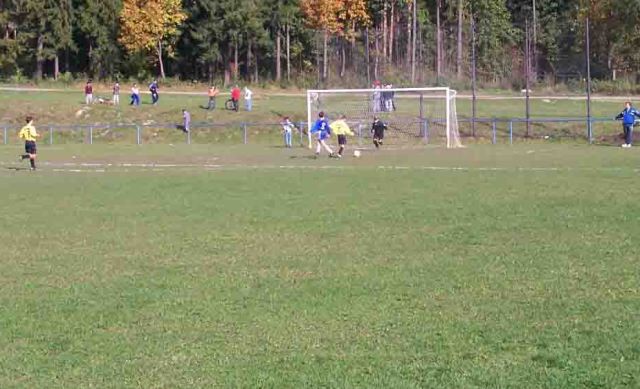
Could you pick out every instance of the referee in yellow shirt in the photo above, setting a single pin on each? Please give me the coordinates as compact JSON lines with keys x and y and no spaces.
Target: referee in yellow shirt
{"x":341,"y":128}
{"x":29,"y":134}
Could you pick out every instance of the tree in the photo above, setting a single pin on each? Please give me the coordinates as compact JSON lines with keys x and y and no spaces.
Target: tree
{"x":323,"y":15}
{"x":203,"y":34}
{"x":151,"y":25}
{"x":98,"y":22}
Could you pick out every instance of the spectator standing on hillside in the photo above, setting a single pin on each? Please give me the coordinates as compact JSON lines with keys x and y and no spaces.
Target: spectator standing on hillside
{"x":213,"y":92}
{"x":116,"y":93}
{"x":235,"y":97}
{"x":248,"y":99}
{"x":88,"y":93}
{"x":153,"y":88}
{"x":135,"y":95}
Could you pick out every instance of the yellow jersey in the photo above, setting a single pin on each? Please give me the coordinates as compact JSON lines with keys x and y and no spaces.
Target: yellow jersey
{"x":340,"y":127}
{"x":28,"y":133}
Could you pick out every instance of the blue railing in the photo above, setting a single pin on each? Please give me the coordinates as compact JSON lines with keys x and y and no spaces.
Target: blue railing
{"x":498,"y":126}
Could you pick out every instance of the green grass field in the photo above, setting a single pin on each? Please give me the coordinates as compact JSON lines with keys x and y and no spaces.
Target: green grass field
{"x":484,"y":267}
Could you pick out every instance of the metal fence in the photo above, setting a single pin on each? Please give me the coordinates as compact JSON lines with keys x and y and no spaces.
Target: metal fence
{"x":488,"y":130}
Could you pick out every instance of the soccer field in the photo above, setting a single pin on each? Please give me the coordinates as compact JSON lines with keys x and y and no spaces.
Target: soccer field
{"x":254,"y":266}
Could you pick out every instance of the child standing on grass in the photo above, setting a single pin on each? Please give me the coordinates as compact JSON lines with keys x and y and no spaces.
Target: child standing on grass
{"x":29,"y":134}
{"x":628,"y":117}
{"x":287,"y":130}
{"x":341,"y":128}
{"x":235,"y":97}
{"x":135,"y":95}
{"x":116,"y":93}
{"x":322,"y":131}
{"x":213,"y":92}
{"x":153,"y":88}
{"x":248,"y":99}
{"x":88,"y":93}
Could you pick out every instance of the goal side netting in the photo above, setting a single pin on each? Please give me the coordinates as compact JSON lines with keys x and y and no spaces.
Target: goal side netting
{"x":414,"y":116}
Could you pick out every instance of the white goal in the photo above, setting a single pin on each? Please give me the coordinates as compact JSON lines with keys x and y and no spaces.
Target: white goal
{"x":412,"y":115}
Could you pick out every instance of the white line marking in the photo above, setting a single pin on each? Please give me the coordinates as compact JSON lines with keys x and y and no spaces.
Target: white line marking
{"x":77,"y":167}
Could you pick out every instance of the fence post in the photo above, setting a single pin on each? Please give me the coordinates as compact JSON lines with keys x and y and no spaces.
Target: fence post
{"x":493,"y":127}
{"x":426,"y":130}
{"x":90,"y":135}
{"x":244,"y":130}
{"x":5,"y":135}
{"x":50,"y":135}
{"x":590,"y":129}
{"x":138,"y":140}
{"x":510,"y":132}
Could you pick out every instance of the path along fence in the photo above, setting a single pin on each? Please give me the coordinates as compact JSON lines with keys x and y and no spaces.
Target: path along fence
{"x":484,"y":130}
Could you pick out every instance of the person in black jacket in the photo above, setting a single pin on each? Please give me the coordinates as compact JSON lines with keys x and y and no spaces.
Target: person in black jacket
{"x":377,"y":129}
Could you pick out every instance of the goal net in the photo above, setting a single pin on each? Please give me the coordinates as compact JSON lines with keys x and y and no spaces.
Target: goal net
{"x":413,"y":115}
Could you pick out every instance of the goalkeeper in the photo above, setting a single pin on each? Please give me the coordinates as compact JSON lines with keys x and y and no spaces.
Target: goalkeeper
{"x":322,"y":131}
{"x":377,"y":129}
{"x":341,"y":128}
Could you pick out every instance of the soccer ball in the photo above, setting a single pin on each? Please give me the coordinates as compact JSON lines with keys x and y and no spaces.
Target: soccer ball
{"x":356,"y":153}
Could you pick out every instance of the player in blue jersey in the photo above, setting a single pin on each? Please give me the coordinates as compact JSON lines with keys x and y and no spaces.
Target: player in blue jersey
{"x":628,"y":117}
{"x":322,"y":132}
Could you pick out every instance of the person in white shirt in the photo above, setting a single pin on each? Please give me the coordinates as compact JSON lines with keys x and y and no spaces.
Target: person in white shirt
{"x":248,"y":99}
{"x":135,"y":95}
{"x":287,"y":130}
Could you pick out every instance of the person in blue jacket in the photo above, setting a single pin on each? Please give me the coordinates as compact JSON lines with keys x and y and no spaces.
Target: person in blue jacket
{"x":322,"y":131}
{"x":628,"y":117}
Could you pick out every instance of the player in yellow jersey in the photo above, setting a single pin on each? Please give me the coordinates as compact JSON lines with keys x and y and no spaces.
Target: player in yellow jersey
{"x":29,"y":134}
{"x":341,"y":128}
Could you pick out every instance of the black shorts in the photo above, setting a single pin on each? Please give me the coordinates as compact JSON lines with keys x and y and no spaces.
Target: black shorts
{"x":378,"y":134}
{"x":30,"y":147}
{"x":342,"y":139}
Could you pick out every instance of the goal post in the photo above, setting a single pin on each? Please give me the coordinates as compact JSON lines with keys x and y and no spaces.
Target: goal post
{"x":412,"y":115}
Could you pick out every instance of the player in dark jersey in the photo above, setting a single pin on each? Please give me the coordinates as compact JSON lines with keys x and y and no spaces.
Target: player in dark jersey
{"x":377,"y":129}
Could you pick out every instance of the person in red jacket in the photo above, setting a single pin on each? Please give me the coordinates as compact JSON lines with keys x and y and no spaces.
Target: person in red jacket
{"x":235,"y":97}
{"x":88,"y":93}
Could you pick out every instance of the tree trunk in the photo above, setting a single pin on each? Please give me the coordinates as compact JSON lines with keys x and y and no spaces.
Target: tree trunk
{"x":256,"y":74}
{"x":368,"y":58}
{"x":39,"y":56}
{"x":459,"y":54}
{"x":413,"y":43}
{"x":235,"y":60}
{"x":438,"y":41}
{"x":288,"y":53}
{"x":377,"y":56}
{"x":278,"y":59}
{"x":343,"y":54}
{"x":409,"y":39}
{"x":392,"y":27}
{"x":248,"y":65}
{"x":384,"y":31}
{"x":56,"y":67}
{"x":324,"y":55}
{"x":160,"y":61}
{"x":67,"y":60}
